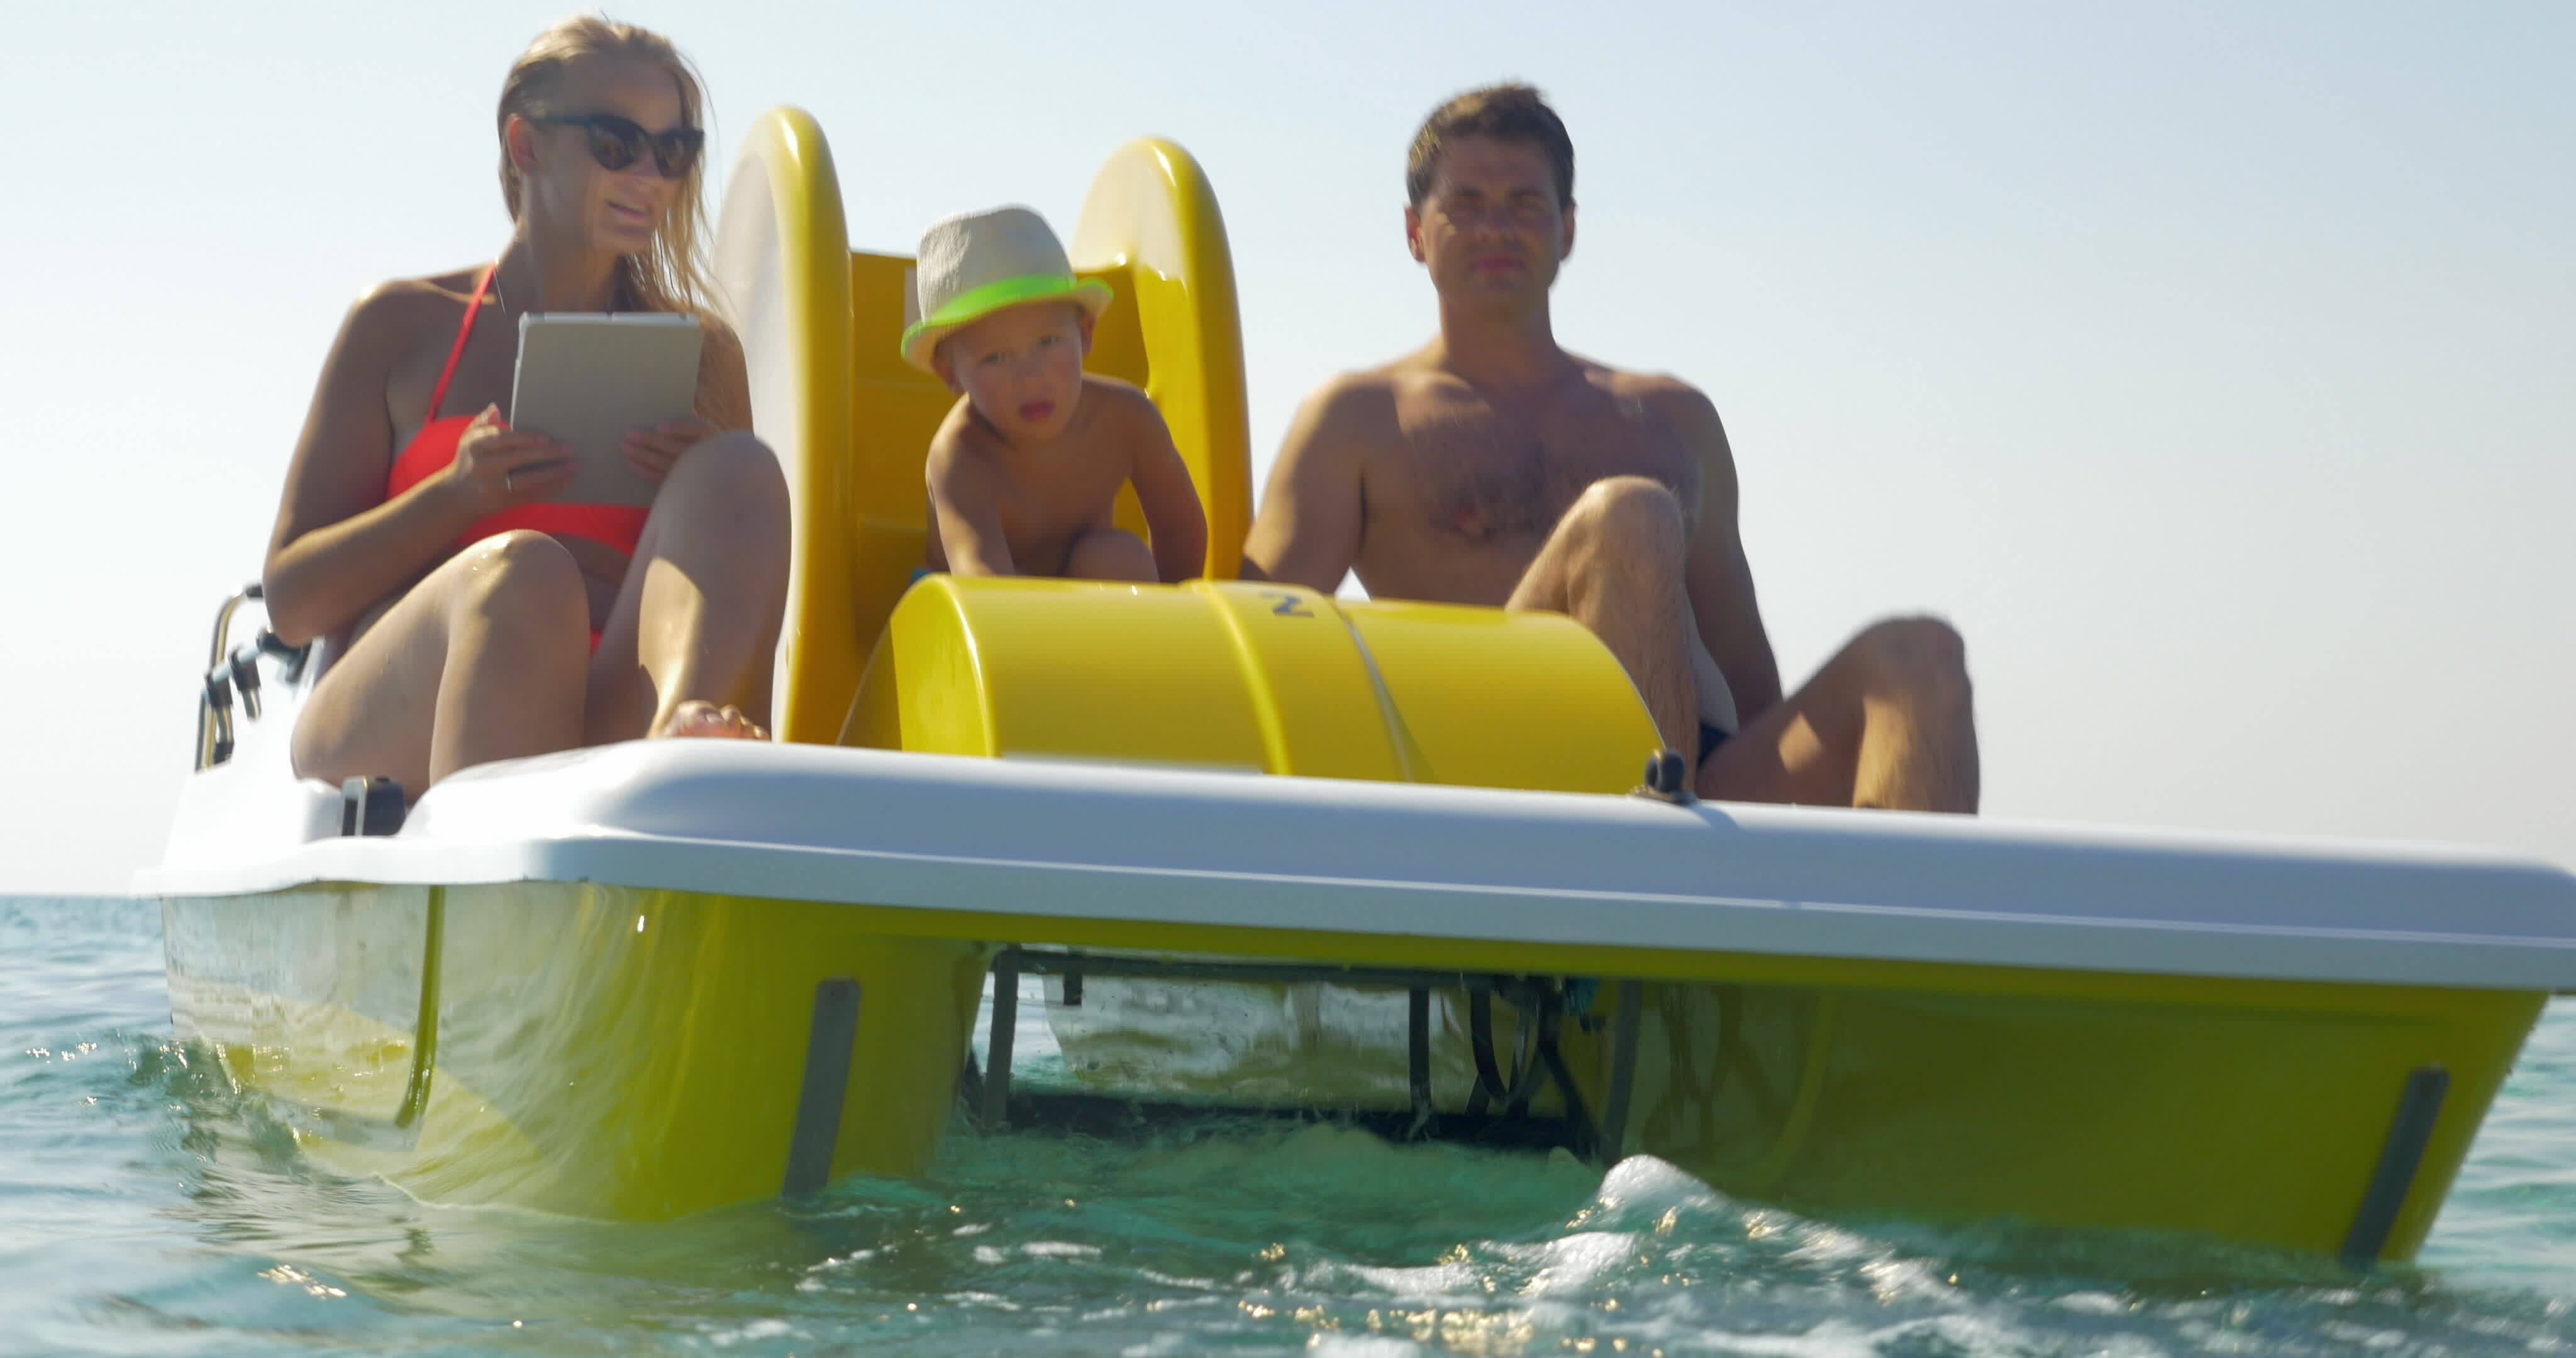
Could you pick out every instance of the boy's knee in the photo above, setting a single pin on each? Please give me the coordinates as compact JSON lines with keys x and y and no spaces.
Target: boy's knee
{"x":1112,"y":554}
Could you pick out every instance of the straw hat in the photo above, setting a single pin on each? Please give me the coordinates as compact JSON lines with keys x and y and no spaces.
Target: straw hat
{"x":974,"y":265}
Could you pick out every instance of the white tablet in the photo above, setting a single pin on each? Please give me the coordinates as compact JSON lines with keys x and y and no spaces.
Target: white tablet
{"x":590,"y":378}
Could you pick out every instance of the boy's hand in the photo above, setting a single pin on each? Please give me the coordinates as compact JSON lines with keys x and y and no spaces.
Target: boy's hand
{"x":652,"y":451}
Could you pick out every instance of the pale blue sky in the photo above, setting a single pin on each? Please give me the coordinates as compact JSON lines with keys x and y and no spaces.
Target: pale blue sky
{"x":2207,"y":364}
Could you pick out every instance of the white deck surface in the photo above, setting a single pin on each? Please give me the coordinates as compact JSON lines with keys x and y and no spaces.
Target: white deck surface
{"x":1177,"y":846}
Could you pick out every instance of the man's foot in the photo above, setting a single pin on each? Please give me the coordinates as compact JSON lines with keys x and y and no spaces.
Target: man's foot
{"x":703,"y":720}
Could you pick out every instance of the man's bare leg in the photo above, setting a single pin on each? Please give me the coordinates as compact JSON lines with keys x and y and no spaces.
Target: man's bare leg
{"x":1111,"y":554}
{"x":695,"y":625}
{"x":482,"y":660}
{"x":1887,"y":723}
{"x":1614,"y":564}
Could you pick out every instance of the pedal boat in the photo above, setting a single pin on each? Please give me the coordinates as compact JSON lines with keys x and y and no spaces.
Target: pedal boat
{"x":654,"y":978}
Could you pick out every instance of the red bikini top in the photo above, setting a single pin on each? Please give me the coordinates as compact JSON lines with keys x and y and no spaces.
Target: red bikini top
{"x":434,"y":447}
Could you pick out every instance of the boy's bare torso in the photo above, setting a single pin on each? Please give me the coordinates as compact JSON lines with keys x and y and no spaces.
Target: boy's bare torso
{"x":1049,"y":497}
{"x":1461,"y":487}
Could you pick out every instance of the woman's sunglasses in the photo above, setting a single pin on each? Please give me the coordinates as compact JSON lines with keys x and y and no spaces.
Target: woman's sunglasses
{"x":617,"y":143}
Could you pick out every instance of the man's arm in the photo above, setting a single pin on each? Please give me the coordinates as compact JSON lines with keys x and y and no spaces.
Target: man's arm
{"x":1719,"y":578}
{"x":966,"y":510}
{"x":1308,"y":530}
{"x":1173,"y":515}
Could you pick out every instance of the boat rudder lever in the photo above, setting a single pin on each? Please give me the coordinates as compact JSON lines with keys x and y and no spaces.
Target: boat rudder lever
{"x":828,"y":1048}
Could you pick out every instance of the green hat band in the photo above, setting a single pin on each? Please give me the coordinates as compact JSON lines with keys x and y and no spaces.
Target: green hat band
{"x":976,"y":303}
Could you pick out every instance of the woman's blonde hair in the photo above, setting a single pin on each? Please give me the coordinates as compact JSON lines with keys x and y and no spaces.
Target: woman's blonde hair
{"x":671,"y":276}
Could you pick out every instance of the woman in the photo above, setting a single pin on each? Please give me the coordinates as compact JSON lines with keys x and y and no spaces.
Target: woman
{"x":487,"y":621}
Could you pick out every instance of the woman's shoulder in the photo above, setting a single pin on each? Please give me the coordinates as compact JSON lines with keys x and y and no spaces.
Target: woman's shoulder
{"x":399,"y":306}
{"x":720,"y":337}
{"x":724,"y":378}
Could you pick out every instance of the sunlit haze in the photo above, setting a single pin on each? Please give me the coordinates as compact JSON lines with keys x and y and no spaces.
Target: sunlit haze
{"x":2207,"y":365}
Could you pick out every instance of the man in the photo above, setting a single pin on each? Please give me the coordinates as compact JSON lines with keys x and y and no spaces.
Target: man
{"x":1493,"y":467}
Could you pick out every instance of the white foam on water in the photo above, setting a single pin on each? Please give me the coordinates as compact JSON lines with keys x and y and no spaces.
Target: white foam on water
{"x":1431,"y":1282}
{"x":1577,"y":1263}
{"x":756,"y":1330}
{"x":1642,"y":1188}
{"x":1167,"y":1280}
{"x":1361,"y":1346}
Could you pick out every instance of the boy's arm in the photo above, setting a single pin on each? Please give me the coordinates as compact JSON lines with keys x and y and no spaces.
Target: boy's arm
{"x":966,"y":510}
{"x":1171,"y":503}
{"x":1312,"y":511}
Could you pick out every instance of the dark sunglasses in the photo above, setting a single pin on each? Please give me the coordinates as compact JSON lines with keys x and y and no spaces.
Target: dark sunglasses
{"x":617,"y":143}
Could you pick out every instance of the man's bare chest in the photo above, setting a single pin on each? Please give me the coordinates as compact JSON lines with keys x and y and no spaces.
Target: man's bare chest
{"x":1465,"y":471}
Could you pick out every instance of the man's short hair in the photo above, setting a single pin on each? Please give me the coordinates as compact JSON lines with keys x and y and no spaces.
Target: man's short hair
{"x":1507,"y":112}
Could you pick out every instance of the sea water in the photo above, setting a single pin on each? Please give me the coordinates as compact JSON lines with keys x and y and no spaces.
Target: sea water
{"x":146,"y":1209}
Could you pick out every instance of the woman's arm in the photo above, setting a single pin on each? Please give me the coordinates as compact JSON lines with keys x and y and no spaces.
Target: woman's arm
{"x":340,"y":545}
{"x":724,"y":381}
{"x":723,"y":404}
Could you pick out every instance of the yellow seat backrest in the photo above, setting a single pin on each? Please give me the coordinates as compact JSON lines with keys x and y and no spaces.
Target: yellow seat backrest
{"x":851,"y":422}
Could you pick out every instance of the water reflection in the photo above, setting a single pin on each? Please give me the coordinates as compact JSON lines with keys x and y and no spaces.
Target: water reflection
{"x":1254,"y":1235}
{"x":145,"y":1206}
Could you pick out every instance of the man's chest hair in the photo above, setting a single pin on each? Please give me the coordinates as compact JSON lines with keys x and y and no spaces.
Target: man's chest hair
{"x":1463,"y":468}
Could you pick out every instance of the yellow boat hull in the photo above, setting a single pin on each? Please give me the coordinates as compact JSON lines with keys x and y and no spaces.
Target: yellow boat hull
{"x":595,"y":1051}
{"x":636,"y":1054}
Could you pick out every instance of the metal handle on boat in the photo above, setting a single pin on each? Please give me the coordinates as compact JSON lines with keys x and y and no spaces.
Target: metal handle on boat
{"x":235,"y":672}
{"x":215,"y":694}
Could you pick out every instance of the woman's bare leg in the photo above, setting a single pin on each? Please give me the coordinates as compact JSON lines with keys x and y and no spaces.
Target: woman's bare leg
{"x":482,"y":660}
{"x":689,"y":642}
{"x":1111,"y":554}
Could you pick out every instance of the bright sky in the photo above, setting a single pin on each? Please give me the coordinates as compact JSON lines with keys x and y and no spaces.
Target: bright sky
{"x":2207,"y":364}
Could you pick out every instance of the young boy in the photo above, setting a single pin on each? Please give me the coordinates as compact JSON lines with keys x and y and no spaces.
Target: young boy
{"x":1026,"y":467}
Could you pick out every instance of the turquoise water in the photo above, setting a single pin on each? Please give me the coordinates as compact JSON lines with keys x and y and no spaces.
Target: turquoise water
{"x":145,"y":1210}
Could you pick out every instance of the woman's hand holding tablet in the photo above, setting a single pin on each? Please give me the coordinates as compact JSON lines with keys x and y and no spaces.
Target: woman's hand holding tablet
{"x":651,"y":451}
{"x":498,"y":467}
{"x":618,"y":392}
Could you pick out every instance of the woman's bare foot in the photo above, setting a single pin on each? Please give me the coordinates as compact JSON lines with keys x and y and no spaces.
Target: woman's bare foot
{"x":700,"y":719}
